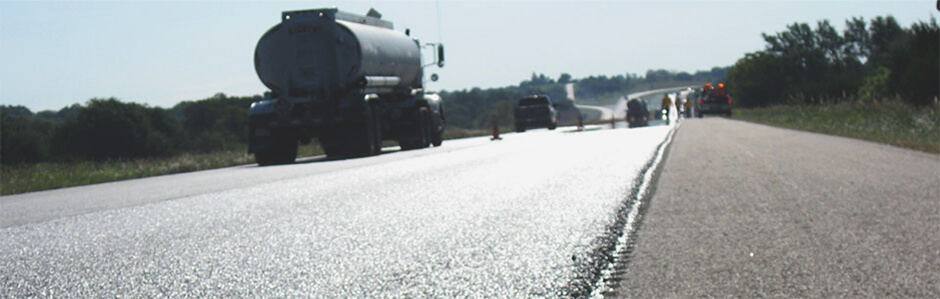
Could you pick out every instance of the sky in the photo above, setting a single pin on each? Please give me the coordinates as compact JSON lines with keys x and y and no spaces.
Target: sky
{"x":55,"y":54}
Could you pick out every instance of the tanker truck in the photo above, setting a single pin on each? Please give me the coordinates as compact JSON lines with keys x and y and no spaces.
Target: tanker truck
{"x":350,"y":81}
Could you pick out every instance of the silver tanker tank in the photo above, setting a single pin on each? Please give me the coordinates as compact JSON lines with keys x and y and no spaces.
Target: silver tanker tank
{"x":314,"y":51}
{"x":350,"y":81}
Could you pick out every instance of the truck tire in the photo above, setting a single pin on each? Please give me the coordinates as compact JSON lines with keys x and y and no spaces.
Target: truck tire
{"x":282,"y":151}
{"x":437,"y":130}
{"x":360,"y":139}
{"x":553,"y":125}
{"x":366,"y":136}
{"x":420,"y":135}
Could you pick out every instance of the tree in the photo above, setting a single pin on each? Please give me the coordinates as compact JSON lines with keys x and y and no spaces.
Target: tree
{"x":857,"y":39}
{"x":110,"y":129}
{"x":216,"y":123}
{"x":916,"y":73}
{"x":658,"y":75}
{"x":23,"y":138}
{"x":829,"y":40}
{"x":683,"y":76}
{"x":885,"y":31}
{"x":757,"y":80}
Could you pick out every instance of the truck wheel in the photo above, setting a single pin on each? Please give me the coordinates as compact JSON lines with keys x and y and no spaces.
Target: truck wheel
{"x":363,"y":138}
{"x":553,"y":125}
{"x":425,"y":126}
{"x":282,"y":151}
{"x":359,"y":139}
{"x":366,"y":135}
{"x":437,"y":130}
{"x":520,"y":128}
{"x":420,"y":137}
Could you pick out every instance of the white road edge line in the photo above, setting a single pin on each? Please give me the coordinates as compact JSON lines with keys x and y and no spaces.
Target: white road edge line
{"x":630,"y":226}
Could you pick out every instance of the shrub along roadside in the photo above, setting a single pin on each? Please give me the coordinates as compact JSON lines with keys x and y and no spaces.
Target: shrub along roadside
{"x":888,"y":122}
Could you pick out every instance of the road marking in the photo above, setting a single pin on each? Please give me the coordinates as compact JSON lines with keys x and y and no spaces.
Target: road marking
{"x":630,"y":227}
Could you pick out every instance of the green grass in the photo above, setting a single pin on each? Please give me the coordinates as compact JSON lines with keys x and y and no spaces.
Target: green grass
{"x":16,"y":179}
{"x":888,"y":122}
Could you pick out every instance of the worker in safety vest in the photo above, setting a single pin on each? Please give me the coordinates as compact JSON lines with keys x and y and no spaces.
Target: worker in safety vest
{"x":678,"y":107}
{"x":666,"y":102}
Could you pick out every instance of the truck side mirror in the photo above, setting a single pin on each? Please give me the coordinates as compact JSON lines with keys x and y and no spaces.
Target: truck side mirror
{"x":440,"y":55}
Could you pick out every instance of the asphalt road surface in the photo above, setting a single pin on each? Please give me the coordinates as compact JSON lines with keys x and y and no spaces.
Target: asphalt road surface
{"x":744,"y":210}
{"x":527,"y":216}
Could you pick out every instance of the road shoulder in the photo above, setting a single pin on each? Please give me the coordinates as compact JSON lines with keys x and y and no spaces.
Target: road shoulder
{"x":747,"y":210}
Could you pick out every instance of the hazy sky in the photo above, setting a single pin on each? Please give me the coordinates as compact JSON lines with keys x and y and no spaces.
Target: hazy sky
{"x":54,"y":54}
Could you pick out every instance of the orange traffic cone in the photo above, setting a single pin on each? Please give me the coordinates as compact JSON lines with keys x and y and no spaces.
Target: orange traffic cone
{"x":495,"y":130}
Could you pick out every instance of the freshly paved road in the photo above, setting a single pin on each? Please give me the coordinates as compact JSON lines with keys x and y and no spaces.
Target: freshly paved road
{"x":744,"y":210}
{"x":521,"y":217}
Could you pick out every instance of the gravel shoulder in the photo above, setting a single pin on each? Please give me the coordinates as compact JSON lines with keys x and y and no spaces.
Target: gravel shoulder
{"x":746,"y":210}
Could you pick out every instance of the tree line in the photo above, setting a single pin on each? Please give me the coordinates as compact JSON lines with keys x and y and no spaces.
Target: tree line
{"x":110,"y":129}
{"x":103,"y":129}
{"x":867,"y":61}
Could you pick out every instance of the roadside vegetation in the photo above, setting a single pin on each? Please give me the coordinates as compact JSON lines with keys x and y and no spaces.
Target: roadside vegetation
{"x":822,"y":81}
{"x":20,"y":178}
{"x":869,"y":61}
{"x":889,"y":122}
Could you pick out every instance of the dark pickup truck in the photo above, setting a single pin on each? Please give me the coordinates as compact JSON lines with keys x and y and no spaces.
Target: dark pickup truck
{"x":638,"y":113}
{"x":536,"y":111}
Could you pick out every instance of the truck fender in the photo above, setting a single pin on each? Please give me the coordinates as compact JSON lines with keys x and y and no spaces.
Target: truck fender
{"x":264,"y":107}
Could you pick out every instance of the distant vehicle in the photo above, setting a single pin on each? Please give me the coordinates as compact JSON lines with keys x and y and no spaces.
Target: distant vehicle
{"x":535,"y":111}
{"x":638,"y":113}
{"x":350,"y":81}
{"x":713,"y":101}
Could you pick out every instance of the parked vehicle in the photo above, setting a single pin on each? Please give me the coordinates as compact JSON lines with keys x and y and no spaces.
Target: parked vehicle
{"x":350,"y":81}
{"x":638,"y":113}
{"x":535,"y":111}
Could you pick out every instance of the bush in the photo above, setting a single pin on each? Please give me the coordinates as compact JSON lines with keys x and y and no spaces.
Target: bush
{"x":109,"y":129}
{"x":23,"y":139}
